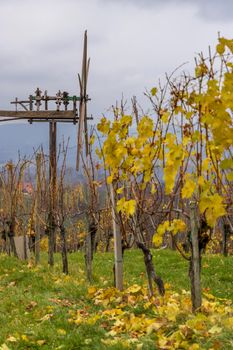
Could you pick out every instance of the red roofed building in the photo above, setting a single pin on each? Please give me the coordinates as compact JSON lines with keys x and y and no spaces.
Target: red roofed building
{"x":27,"y":188}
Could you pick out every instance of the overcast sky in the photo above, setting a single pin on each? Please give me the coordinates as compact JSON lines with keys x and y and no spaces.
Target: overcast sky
{"x":132,"y":43}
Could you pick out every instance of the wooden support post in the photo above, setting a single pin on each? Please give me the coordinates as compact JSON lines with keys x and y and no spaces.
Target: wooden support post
{"x":37,"y":208}
{"x":118,"y":259}
{"x":88,"y":253}
{"x":90,"y":245}
{"x":75,"y":109}
{"x":64,"y":250}
{"x":12,"y":235}
{"x":30,"y":103}
{"x":195,"y":263}
{"x":52,"y":188}
{"x":25,"y":247}
{"x":8,"y":247}
{"x":225,"y":234}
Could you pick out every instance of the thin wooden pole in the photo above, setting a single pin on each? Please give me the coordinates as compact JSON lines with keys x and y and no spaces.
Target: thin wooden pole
{"x":25,"y":245}
{"x":118,"y":259}
{"x":225,"y":233}
{"x":37,"y":208}
{"x":52,"y":188}
{"x":195,"y":267}
{"x":88,"y":253}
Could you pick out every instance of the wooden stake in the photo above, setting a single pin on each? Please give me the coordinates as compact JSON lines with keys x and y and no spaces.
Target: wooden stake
{"x":25,"y":256}
{"x":88,"y":257}
{"x":225,"y":233}
{"x":37,"y":208}
{"x":195,"y":263}
{"x":52,"y":188}
{"x":117,"y":244}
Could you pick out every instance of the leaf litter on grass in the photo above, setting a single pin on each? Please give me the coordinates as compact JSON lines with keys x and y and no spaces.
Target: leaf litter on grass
{"x":130,"y":317}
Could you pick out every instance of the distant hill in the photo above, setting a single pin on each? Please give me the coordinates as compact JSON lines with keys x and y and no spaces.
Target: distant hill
{"x":25,"y":137}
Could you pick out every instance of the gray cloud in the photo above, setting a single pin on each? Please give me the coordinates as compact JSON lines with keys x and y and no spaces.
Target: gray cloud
{"x":130,"y":46}
{"x":208,"y":9}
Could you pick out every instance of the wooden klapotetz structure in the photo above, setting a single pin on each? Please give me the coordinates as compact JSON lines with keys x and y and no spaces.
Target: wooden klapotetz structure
{"x":60,"y":108}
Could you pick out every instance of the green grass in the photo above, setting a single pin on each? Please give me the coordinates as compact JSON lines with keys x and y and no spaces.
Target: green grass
{"x":35,"y":303}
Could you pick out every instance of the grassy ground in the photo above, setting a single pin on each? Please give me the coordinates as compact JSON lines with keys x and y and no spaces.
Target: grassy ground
{"x":37,"y":305}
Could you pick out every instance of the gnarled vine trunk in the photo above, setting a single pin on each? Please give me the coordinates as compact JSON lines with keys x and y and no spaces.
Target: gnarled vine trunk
{"x":150,"y":270}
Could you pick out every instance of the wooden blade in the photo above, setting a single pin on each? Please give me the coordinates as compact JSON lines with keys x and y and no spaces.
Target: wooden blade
{"x":88,"y":67}
{"x":85,"y":116}
{"x":83,"y":113}
{"x":80,"y":133}
{"x":84,"y":66}
{"x":80,"y":84}
{"x":86,"y":131}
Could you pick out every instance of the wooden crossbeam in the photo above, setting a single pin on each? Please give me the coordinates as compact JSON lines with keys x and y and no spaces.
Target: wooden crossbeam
{"x":38,"y":114}
{"x":51,"y":98}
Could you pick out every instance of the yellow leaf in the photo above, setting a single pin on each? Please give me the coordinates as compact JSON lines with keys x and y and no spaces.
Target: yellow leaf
{"x":40,"y":342}
{"x":120,"y":190}
{"x":139,"y":346}
{"x":99,"y":153}
{"x":162,"y":228}
{"x":130,"y":207}
{"x":61,"y":331}
{"x":153,"y":327}
{"x":229,"y":323}
{"x":92,"y":290}
{"x":205,"y":164}
{"x":226,"y":164}
{"x":194,"y":347}
{"x":157,"y":240}
{"x":12,"y":339}
{"x":220,"y":48}
{"x":92,"y":320}
{"x":109,"y":179}
{"x":189,"y":187}
{"x":208,"y":295}
{"x":153,"y":190}
{"x":177,"y":225}
{"x":104,"y":125}
{"x":92,"y":140}
{"x":126,"y":207}
{"x":153,"y":91}
{"x":198,"y":323}
{"x":213,"y":207}
{"x":126,"y":120}
{"x":165,"y":117}
{"x":145,"y":127}
{"x":215,"y":330}
{"x":230,"y":176}
{"x":4,"y":347}
{"x":201,"y":70}
{"x":46,"y":317}
{"x":134,"y":289}
{"x":201,"y":181}
{"x":24,"y":337}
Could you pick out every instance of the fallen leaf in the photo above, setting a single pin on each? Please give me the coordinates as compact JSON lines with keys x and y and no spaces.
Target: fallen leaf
{"x":12,"y":339}
{"x":12,"y":284}
{"x":24,"y":337}
{"x":215,"y":330}
{"x":40,"y":342}
{"x":61,"y":331}
{"x":31,"y":305}
{"x":46,"y":317}
{"x":4,"y":347}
